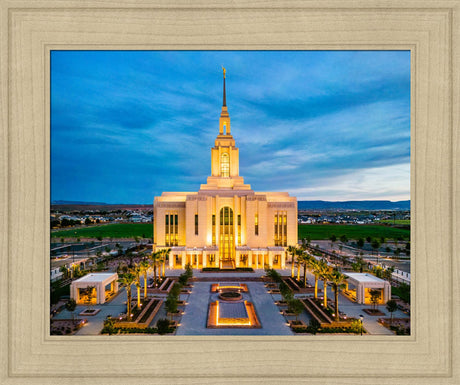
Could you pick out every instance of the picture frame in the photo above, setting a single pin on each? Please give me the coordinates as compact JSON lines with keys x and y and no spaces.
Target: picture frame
{"x":30,"y":31}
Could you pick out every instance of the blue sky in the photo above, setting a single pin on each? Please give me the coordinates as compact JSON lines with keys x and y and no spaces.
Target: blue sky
{"x":328,"y":125}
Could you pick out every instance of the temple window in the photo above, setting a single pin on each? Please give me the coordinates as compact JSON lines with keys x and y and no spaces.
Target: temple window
{"x":224,"y":165}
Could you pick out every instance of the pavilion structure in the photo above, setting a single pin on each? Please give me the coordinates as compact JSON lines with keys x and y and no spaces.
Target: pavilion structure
{"x":225,"y":224}
{"x":359,"y":285}
{"x":105,"y":284}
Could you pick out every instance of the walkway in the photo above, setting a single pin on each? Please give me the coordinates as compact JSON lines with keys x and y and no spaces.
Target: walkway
{"x":196,"y":312}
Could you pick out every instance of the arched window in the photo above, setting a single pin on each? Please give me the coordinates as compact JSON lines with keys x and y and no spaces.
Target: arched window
{"x":224,"y":165}
{"x":226,"y":234}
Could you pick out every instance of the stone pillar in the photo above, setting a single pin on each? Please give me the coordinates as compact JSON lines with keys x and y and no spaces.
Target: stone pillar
{"x":172,"y":258}
{"x":183,"y":255}
{"x":100,"y":293}
{"x":360,"y":293}
{"x":250,"y":258}
{"x":283,"y":260}
{"x":237,"y":259}
{"x":73,"y":292}
{"x":270,"y":259}
{"x":216,"y":259}
{"x":115,"y":286}
{"x":205,"y":259}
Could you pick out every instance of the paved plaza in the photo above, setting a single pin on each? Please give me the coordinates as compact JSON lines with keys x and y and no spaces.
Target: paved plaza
{"x":196,"y":312}
{"x":194,"y":320}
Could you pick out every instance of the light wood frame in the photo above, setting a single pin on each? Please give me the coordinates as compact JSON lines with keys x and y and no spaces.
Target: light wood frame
{"x":30,"y":29}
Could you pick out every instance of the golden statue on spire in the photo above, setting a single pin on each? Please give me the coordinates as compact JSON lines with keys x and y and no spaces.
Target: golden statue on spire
{"x":223,"y":68}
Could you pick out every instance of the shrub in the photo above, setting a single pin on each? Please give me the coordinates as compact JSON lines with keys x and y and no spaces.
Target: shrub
{"x":175,"y":290}
{"x":163,"y":326}
{"x":313,"y":326}
{"x":183,"y":279}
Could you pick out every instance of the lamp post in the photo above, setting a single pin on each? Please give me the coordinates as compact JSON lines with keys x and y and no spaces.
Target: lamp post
{"x":361,"y":319}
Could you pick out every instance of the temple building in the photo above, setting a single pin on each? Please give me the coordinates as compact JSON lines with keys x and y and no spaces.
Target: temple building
{"x":225,"y":224}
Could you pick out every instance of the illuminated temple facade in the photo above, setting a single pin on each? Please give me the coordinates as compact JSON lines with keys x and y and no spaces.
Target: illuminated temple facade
{"x":225,"y":224}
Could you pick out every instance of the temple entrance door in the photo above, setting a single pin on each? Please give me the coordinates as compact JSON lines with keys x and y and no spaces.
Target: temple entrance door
{"x":227,"y":243}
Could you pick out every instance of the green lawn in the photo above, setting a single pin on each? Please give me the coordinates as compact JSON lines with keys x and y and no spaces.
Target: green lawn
{"x":118,"y":230}
{"x":352,"y":231}
{"x":396,"y":222}
{"x":131,"y":230}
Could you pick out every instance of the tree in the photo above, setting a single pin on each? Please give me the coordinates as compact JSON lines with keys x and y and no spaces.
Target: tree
{"x":337,"y":280}
{"x":375,"y":296}
{"x":388,"y":273}
{"x":392,"y":306}
{"x":382,"y":240}
{"x":145,"y":266}
{"x":369,"y":239}
{"x":316,"y":270}
{"x":71,"y":306}
{"x":360,"y":243}
{"x":163,"y":326}
{"x":296,"y":307}
{"x":64,"y":270}
{"x":324,"y":276}
{"x":343,"y":239}
{"x":375,"y":244}
{"x":171,"y":300}
{"x":127,"y":280}
{"x":306,"y":261}
{"x":137,"y":271}
{"x":298,"y":254}
{"x":155,"y":258}
{"x":88,"y":221}
{"x":291,"y":250}
{"x":164,"y":255}
{"x":89,"y":296}
{"x":333,"y":239}
{"x":407,"y":249}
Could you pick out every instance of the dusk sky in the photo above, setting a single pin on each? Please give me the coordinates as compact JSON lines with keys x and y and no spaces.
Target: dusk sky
{"x":322,"y":125}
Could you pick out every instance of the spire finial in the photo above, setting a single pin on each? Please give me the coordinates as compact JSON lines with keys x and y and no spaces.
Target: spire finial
{"x":224,"y":104}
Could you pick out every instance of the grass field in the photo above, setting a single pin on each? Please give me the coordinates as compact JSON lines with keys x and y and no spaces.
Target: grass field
{"x":118,"y":230}
{"x":131,"y":230}
{"x":396,"y":222}
{"x":352,"y":231}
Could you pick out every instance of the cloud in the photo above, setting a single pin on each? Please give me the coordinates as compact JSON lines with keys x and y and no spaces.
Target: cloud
{"x":129,"y":125}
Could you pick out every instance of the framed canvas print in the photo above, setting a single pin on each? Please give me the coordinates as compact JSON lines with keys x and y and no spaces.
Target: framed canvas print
{"x":80,"y":119}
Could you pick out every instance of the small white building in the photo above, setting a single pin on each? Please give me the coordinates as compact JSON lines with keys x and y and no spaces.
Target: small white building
{"x":105,"y":284}
{"x":360,"y":284}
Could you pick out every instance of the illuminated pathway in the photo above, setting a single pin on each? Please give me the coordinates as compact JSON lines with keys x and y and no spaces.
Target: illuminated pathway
{"x":196,"y":313}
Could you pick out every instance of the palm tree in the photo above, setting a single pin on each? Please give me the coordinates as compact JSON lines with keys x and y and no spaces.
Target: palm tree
{"x":128,"y":279}
{"x":306,"y":262}
{"x":145,"y":266}
{"x":323,"y":272}
{"x":155,"y":258}
{"x":314,"y":269}
{"x":298,"y":253}
{"x":337,"y":280}
{"x":164,"y":255}
{"x":137,"y":271}
{"x":291,"y":250}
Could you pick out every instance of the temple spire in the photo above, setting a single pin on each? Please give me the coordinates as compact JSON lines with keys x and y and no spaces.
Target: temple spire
{"x":224,"y":121}
{"x":224,"y":104}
